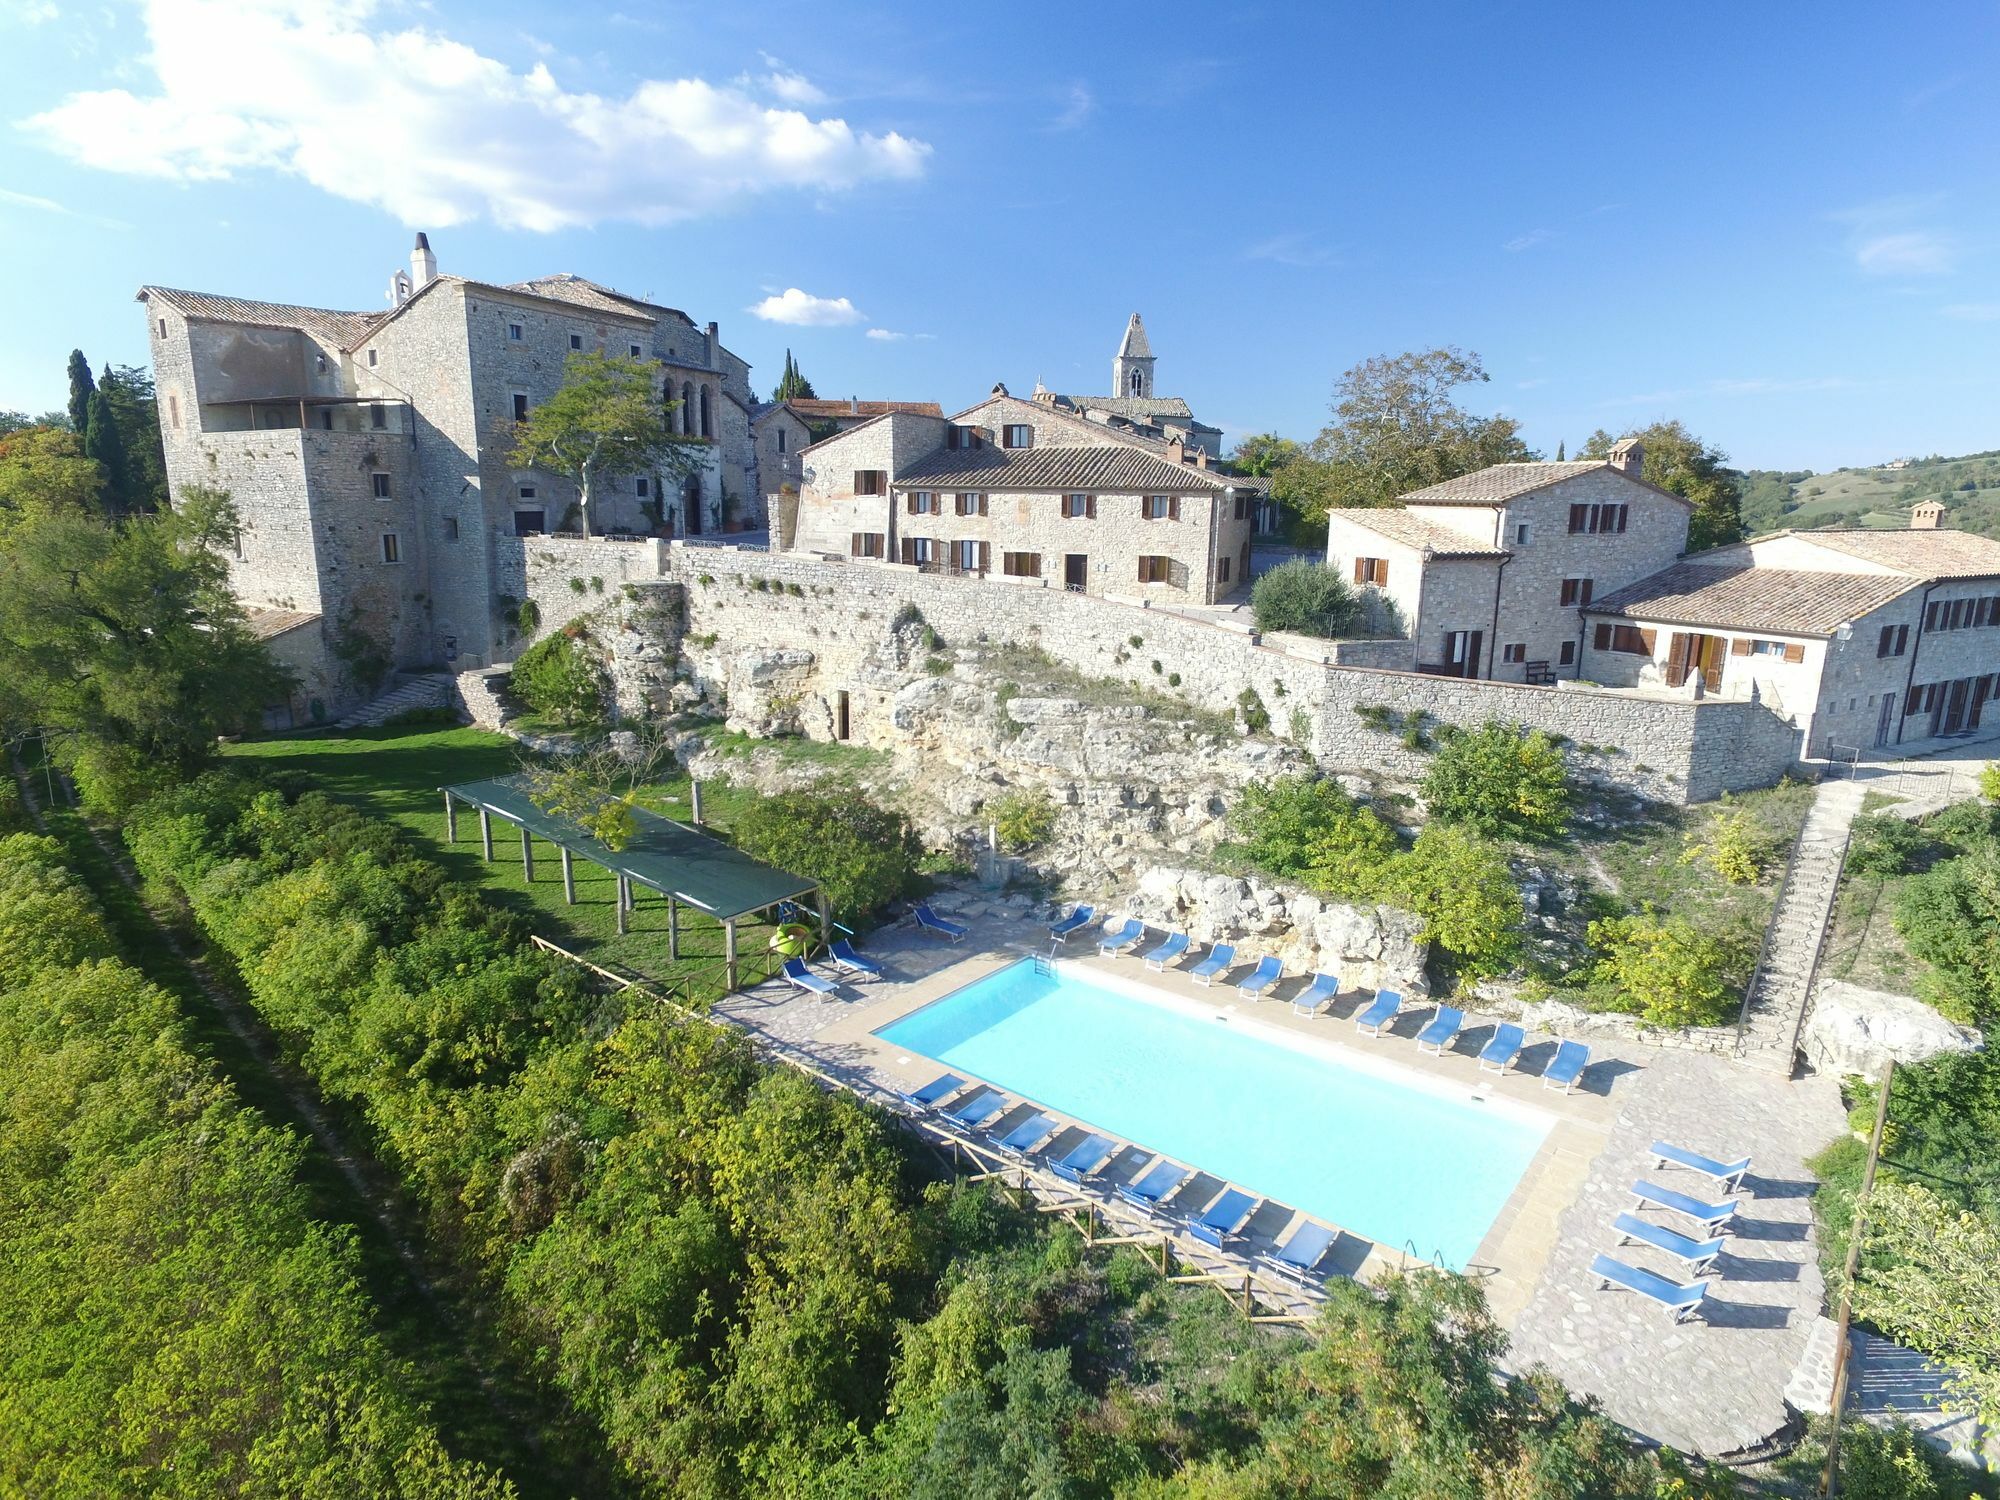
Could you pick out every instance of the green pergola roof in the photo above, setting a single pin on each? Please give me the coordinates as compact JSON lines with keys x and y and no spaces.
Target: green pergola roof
{"x":669,"y":857}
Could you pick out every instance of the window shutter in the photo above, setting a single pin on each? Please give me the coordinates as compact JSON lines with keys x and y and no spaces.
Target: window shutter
{"x":1090,"y":507}
{"x":1795,"y":653}
{"x":1646,"y":639}
{"x":982,"y":504}
{"x":909,"y":549}
{"x":1360,"y":570}
{"x":1173,"y":507}
{"x":1677,"y":659}
{"x":1602,"y":640}
{"x":910,"y":503}
{"x":985,"y":556}
{"x":1740,"y":646}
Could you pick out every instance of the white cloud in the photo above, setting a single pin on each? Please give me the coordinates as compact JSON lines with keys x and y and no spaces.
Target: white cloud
{"x":436,"y":133}
{"x":51,"y":206}
{"x":1529,"y":240}
{"x":1081,"y":106}
{"x":29,"y":12}
{"x":789,"y":84}
{"x":1290,"y":249}
{"x":1973,"y":312}
{"x":886,"y":335}
{"x":804,"y":310}
{"x":1908,"y":252}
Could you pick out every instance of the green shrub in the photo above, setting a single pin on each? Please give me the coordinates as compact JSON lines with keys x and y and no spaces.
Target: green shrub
{"x":559,"y":678}
{"x":1989,"y":782}
{"x":1307,"y":598}
{"x":528,"y":618}
{"x":906,"y":614}
{"x":1309,"y":830}
{"x":1733,"y":845}
{"x":578,"y":586}
{"x":1884,"y":844}
{"x":862,"y":855}
{"x":1669,"y":972}
{"x":1023,"y":819}
{"x":937,"y":666}
{"x":1256,"y":717}
{"x":1502,"y":781}
{"x":1464,"y":889}
{"x":1950,"y":918}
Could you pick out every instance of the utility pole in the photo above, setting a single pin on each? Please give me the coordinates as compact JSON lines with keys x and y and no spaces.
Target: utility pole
{"x":1829,"y":1484}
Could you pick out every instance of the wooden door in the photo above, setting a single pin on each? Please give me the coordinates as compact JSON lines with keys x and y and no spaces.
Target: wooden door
{"x":1076,"y":570}
{"x":1886,"y":720}
{"x":1954,"y":706}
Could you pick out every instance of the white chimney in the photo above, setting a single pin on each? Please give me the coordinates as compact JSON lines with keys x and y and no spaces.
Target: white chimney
{"x":1629,"y":456}
{"x":423,"y":264}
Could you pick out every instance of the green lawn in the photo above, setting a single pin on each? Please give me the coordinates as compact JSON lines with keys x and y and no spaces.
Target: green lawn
{"x":395,"y":774}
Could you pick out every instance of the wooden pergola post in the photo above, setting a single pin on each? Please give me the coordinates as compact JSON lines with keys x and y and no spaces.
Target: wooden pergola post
{"x":673,"y":928}
{"x":569,"y":877}
{"x":825,"y":921}
{"x":486,"y":835}
{"x":527,"y":855}
{"x":450,"y":819}
{"x":694,"y":798}
{"x":729,"y":952}
{"x":622,"y":899}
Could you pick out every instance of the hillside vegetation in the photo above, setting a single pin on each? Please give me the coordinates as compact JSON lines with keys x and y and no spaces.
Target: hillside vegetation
{"x":1969,"y":488}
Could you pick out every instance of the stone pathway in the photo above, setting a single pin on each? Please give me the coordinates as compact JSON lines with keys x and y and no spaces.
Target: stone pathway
{"x":1714,"y":1385}
{"x":1781,"y":988}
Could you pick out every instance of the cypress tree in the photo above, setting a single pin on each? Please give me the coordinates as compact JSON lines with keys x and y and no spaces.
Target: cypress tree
{"x":81,"y":389}
{"x":1559,"y":451}
{"x":792,"y":385}
{"x":102,"y":443}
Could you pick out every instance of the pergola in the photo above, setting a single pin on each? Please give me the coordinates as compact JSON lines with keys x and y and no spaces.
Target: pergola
{"x":684,"y":865}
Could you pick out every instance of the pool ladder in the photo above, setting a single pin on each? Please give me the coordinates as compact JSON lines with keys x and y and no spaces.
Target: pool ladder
{"x":1045,"y":967}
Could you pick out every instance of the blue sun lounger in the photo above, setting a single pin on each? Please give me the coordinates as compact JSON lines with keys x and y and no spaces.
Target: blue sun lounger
{"x":805,"y":979}
{"x":848,"y":961}
{"x":1307,"y":1001}
{"x":1728,"y":1175}
{"x":1223,"y":1220}
{"x":1261,"y":978}
{"x":1699,"y":1254}
{"x":1175,"y":945}
{"x":1437,"y":1036}
{"x":1119,"y":940}
{"x":930,"y":921}
{"x":1084,"y":1159}
{"x":1381,"y":1011}
{"x":1080,"y":917}
{"x":1566,"y":1067}
{"x":927,"y":1097}
{"x":1498,"y":1055}
{"x":970,"y":1114}
{"x":1020,"y":1142}
{"x":1299,"y":1257}
{"x":1157,"y":1183}
{"x":1711,"y":1216}
{"x":1681,"y":1301}
{"x":1220,"y":957}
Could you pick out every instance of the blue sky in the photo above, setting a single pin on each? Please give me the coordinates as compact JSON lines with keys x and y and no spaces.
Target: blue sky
{"x":1776,"y":222}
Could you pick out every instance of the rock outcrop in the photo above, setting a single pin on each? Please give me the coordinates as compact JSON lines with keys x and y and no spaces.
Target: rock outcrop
{"x":1855,"y":1030}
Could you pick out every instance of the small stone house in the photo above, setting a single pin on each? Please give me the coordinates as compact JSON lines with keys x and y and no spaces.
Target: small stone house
{"x":1019,"y":490}
{"x":1862,"y":638}
{"x":1486,"y":574}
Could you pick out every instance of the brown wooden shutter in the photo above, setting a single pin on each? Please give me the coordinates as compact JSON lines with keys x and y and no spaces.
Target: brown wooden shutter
{"x":1646,"y":639}
{"x":1360,"y":570}
{"x":910,"y":504}
{"x":1677,"y":659}
{"x":1603,"y":638}
{"x":985,"y":556}
{"x":1795,"y":653}
{"x":1173,"y":507}
{"x":909,"y":549}
{"x":1090,"y":507}
{"x":982,"y":504}
{"x":1740,"y":646}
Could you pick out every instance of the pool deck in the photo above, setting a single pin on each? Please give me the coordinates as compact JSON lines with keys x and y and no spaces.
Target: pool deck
{"x":1712,"y":1387}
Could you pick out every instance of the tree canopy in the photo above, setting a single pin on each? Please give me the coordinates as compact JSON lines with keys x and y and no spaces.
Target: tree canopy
{"x":606,"y":420}
{"x":1397,"y":427}
{"x":1677,"y":460}
{"x":793,"y":385}
{"x":1262,"y":454}
{"x":44,"y":473}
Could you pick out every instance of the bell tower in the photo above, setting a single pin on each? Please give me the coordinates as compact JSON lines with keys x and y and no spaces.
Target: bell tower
{"x":1132,"y":366}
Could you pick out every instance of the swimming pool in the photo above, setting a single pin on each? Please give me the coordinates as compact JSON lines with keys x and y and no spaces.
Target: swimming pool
{"x":1392,"y":1159}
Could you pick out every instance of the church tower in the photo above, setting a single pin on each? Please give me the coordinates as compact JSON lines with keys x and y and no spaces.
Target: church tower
{"x":1132,"y":366}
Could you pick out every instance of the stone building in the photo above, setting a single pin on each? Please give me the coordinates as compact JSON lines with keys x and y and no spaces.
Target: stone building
{"x":1021,"y":489}
{"x":1486,"y":574}
{"x":1133,"y":404}
{"x":1861,"y":638}
{"x":367,"y":454}
{"x":829,"y":417}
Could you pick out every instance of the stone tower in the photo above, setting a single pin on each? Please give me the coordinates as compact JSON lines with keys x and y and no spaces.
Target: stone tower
{"x":1132,"y":366}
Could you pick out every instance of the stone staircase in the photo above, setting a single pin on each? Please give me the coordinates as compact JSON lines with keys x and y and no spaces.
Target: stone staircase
{"x":1781,"y":989}
{"x":416,"y":690}
{"x":476,"y":695}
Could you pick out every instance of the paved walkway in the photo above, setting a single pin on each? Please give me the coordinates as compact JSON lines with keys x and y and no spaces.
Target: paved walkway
{"x":1716,"y":1385}
{"x":1782,"y":986}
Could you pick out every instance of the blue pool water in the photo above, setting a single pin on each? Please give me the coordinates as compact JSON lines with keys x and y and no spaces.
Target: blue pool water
{"x":1389,"y":1161}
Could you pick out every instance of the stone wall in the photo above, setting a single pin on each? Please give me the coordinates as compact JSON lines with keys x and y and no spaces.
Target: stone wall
{"x":1668,"y":749}
{"x":567,"y":578}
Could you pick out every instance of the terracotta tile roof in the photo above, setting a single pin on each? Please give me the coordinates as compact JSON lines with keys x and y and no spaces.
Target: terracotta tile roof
{"x":1940,"y":553}
{"x":1140,"y":408}
{"x":565,"y":287}
{"x":268,"y":624}
{"x":1118,"y":468}
{"x":1416,"y":531}
{"x":1791,"y":601}
{"x":857,"y":408}
{"x":335,"y":327}
{"x":1503,"y":482}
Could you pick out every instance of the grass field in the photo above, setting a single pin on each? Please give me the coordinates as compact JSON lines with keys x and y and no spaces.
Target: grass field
{"x":395,"y":774}
{"x":1882,"y":498}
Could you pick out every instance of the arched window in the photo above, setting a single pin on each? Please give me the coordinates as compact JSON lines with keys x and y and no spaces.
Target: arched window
{"x":687,"y":407}
{"x":707,"y":429}
{"x":1136,"y":382}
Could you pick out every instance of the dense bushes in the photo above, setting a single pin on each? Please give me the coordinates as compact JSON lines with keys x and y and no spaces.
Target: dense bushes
{"x":1950,"y":917}
{"x":1023,"y":819}
{"x":173,"y":1318}
{"x":1667,"y":971}
{"x":1503,"y":781}
{"x":862,"y":855}
{"x":1306,"y":597}
{"x":561,"y":679}
{"x":1310,"y":830}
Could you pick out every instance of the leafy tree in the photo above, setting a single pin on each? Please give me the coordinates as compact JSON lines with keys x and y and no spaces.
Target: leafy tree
{"x":1502,"y":780}
{"x":81,"y":388}
{"x":43,"y":473}
{"x":1024,"y":818}
{"x":104,"y":445}
{"x":127,"y":640}
{"x":1732,"y":845}
{"x":793,"y":386}
{"x":560,"y":678}
{"x":1950,"y":918}
{"x":1929,"y":1284}
{"x":597,"y":785}
{"x":606,"y":420}
{"x":1262,"y":454}
{"x":1677,"y":460}
{"x":1306,"y":597}
{"x":19,"y":421}
{"x":135,"y":411}
{"x":1463,"y":888}
{"x":1310,"y":830}
{"x":1669,"y":971}
{"x":862,"y":855}
{"x":1396,"y":429}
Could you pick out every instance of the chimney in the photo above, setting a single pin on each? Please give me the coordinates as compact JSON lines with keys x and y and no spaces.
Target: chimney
{"x":423,"y":264}
{"x":1928,"y":516}
{"x":854,"y":406}
{"x":714,"y":346}
{"x":1201,"y":458}
{"x":1628,"y":456}
{"x":1176,"y":451}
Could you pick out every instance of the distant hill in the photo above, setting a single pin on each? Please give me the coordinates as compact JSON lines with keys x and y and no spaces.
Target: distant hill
{"x":1969,"y":488}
